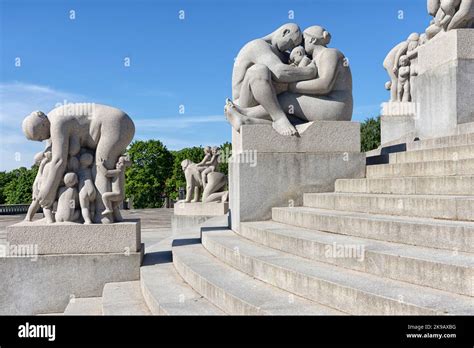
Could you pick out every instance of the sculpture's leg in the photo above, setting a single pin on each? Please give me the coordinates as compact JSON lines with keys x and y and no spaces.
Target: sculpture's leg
{"x":117,"y":216}
{"x":107,"y":199}
{"x":84,"y":202}
{"x":257,"y":86}
{"x":406,"y":92}
{"x":115,"y":137}
{"x":32,"y":209}
{"x":196,"y":194}
{"x":48,"y":214}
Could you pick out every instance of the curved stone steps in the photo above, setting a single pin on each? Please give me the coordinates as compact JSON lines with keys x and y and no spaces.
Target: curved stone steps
{"x":423,"y":185}
{"x":434,"y":154}
{"x":235,"y":292}
{"x":165,"y":292}
{"x":439,"y":269}
{"x":346,"y":290}
{"x":427,"y":206}
{"x":431,"y":233}
{"x":124,"y":298}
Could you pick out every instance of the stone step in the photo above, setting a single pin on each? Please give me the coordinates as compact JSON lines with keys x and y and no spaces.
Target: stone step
{"x":453,"y":140}
{"x":432,"y":233}
{"x":165,"y":292}
{"x":124,"y":298}
{"x":425,"y":185}
{"x":452,"y":153}
{"x":439,"y":269}
{"x":346,"y":290}
{"x":235,"y":292}
{"x":432,"y":168}
{"x":84,"y":306}
{"x":429,"y":206}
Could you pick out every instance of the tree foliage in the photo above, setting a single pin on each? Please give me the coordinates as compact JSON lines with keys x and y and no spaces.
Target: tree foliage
{"x":146,"y":177}
{"x":226,"y":152}
{"x":370,"y":134}
{"x":18,"y":186}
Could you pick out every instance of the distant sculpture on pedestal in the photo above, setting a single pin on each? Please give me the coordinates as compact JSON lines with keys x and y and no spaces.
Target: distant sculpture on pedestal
{"x":449,"y":15}
{"x":86,"y":130}
{"x":266,"y":89}
{"x":203,"y":175}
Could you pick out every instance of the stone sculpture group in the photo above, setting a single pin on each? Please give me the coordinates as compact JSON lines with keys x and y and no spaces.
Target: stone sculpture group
{"x":81,"y":173}
{"x":204,"y":178}
{"x":401,"y":61}
{"x":279,"y":82}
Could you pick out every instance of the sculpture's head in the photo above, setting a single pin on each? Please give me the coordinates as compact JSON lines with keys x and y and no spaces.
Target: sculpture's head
{"x":185,"y":164}
{"x":315,"y":36}
{"x":215,"y":150}
{"x":123,"y":162}
{"x":388,"y":85}
{"x":70,"y":179}
{"x":404,"y":60}
{"x":86,"y":159}
{"x":413,"y":41}
{"x":36,"y":126}
{"x":297,"y":54}
{"x":207,"y":150}
{"x":287,"y":37}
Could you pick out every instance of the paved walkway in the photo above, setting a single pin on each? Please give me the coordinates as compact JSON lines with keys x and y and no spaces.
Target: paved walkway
{"x":155,"y":223}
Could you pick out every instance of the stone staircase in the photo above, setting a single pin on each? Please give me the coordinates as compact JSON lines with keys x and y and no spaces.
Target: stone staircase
{"x":400,"y":241}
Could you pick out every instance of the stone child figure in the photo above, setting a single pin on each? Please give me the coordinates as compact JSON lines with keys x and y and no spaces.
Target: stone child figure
{"x":210,"y":166}
{"x":41,"y":159}
{"x":298,"y":57}
{"x":87,"y":191}
{"x":449,"y":15}
{"x":112,"y":199}
{"x":404,"y":74}
{"x":68,"y":199}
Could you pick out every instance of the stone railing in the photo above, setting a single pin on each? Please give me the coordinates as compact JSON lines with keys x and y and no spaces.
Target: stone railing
{"x":13,"y":209}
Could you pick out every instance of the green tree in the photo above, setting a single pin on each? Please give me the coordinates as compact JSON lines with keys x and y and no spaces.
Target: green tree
{"x":146,"y":177}
{"x":370,"y":134}
{"x":5,"y":178}
{"x":177,"y":179}
{"x":18,"y":189}
{"x":226,"y":152}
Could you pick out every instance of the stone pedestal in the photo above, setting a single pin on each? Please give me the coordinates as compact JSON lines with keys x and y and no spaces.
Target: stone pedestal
{"x":397,"y":120}
{"x":445,"y":83}
{"x":43,"y":266}
{"x":268,"y":170}
{"x":189,"y":217}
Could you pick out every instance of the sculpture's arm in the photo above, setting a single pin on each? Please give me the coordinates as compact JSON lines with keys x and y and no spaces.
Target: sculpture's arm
{"x":113,"y":172}
{"x":189,"y":186}
{"x":59,"y":150}
{"x":324,"y":84}
{"x":466,"y":9}
{"x":286,"y":73}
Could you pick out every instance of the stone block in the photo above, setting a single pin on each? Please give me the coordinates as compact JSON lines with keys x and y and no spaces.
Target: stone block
{"x":280,"y":179}
{"x":74,"y":238}
{"x":322,"y":136}
{"x":200,"y":208}
{"x":445,"y":83}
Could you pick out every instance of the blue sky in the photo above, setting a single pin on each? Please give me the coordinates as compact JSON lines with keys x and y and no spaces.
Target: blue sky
{"x":174,"y":63}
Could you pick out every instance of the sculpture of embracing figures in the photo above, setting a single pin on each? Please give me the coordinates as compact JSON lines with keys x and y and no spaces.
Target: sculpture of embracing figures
{"x":274,"y":78}
{"x":204,"y":176}
{"x":81,"y":174}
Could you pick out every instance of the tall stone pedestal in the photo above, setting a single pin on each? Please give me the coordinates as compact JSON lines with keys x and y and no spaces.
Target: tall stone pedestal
{"x":445,"y":83}
{"x":269,"y":170}
{"x":189,"y":217}
{"x":397,"y":121}
{"x":43,"y":266}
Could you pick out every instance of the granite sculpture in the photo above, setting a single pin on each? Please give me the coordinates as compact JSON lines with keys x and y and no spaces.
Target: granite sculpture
{"x":204,"y":178}
{"x":81,"y":172}
{"x":268,"y":85}
{"x":449,"y":15}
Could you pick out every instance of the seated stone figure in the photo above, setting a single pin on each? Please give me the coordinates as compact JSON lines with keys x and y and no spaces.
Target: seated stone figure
{"x":210,"y":165}
{"x":321,"y":92}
